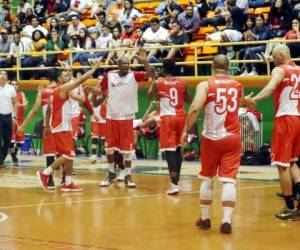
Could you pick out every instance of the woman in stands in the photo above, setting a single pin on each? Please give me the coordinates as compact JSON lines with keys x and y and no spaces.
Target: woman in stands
{"x":294,"y":33}
{"x":129,"y":13}
{"x":115,"y":43}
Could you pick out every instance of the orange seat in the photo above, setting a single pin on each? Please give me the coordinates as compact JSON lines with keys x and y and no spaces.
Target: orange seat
{"x":262,"y":10}
{"x":206,"y":30}
{"x":89,"y":22}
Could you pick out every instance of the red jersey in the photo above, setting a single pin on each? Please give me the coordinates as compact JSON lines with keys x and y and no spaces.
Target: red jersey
{"x":287,"y":93}
{"x":45,"y":95}
{"x":171,"y":93}
{"x":20,"y":106}
{"x":221,"y":108}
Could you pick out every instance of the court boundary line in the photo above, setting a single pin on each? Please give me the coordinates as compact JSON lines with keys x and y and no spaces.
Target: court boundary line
{"x":123,"y":197}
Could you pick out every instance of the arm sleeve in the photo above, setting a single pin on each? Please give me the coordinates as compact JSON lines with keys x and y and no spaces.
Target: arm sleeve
{"x":88,"y":106}
{"x":104,"y":83}
{"x":140,"y":76}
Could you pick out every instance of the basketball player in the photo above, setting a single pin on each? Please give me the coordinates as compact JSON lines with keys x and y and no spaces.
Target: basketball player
{"x":122,"y":104}
{"x":285,"y":147}
{"x":172,"y":94}
{"x":61,"y":128}
{"x":220,"y":96}
{"x":17,"y":140}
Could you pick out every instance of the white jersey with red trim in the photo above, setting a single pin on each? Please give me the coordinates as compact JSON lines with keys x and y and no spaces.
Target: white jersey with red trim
{"x":61,"y":112}
{"x":122,"y":100}
{"x":171,"y":93}
{"x":221,"y":108}
{"x":101,"y":112}
{"x":287,"y":93}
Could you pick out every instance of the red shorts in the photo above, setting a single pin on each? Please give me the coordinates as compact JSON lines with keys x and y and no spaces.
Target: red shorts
{"x":75,"y":127}
{"x":15,"y":137}
{"x":171,"y":128}
{"x":120,"y":135}
{"x":98,"y":130}
{"x":285,"y":140}
{"x":221,"y":157}
{"x":64,"y":144}
{"x":49,"y":147}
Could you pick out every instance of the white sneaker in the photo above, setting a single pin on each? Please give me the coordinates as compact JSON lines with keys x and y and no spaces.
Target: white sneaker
{"x":93,"y":159}
{"x":173,"y":190}
{"x":128,"y":182}
{"x":108,"y":180}
{"x":103,"y":159}
{"x":252,"y":73}
{"x":245,"y":72}
{"x":121,"y":176}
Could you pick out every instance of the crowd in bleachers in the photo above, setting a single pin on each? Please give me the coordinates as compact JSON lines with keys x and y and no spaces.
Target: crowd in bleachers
{"x":79,"y":25}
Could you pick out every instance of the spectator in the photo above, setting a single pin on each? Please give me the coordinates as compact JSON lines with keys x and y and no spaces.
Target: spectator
{"x":243,"y":5}
{"x":155,"y":35}
{"x":219,"y":19}
{"x":202,"y":7}
{"x":114,"y":11}
{"x":280,"y":17}
{"x":4,"y":12}
{"x":63,"y":6}
{"x":22,"y":8}
{"x":51,"y":8}
{"x":114,"y":43}
{"x":129,"y":37}
{"x":53,"y":24}
{"x":101,"y":20}
{"x":259,"y":32}
{"x":189,"y":21}
{"x":79,"y":7}
{"x":14,"y":29}
{"x":17,"y":46}
{"x":53,"y":44}
{"x":40,"y":10}
{"x":294,"y":33}
{"x":138,"y":44}
{"x":28,"y":16}
{"x":170,"y":7}
{"x":75,"y":25}
{"x":5,"y":43}
{"x":176,"y":37}
{"x":35,"y":59}
{"x":35,"y":25}
{"x":62,"y":30}
{"x":129,"y":13}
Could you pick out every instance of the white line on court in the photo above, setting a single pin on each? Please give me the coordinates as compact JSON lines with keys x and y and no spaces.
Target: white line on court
{"x":122,"y":197}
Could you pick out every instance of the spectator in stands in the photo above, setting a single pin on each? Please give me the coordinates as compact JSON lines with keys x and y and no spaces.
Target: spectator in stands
{"x":129,"y":36}
{"x":129,"y":13}
{"x":177,"y":37}
{"x":35,"y":59}
{"x":63,"y":6}
{"x":14,"y":29}
{"x":5,"y":43}
{"x":189,"y":21}
{"x":62,"y":30}
{"x":213,"y":5}
{"x":280,"y":17}
{"x":28,"y":16}
{"x":257,"y":3}
{"x":114,"y":11}
{"x":243,"y":5}
{"x":170,"y":7}
{"x":138,"y":43}
{"x":82,"y":43}
{"x":114,"y":43}
{"x":218,"y":7}
{"x":101,"y":20}
{"x":4,"y":11}
{"x":35,"y":25}
{"x":22,"y":8}
{"x":53,"y":24}
{"x":53,"y":44}
{"x":79,"y":7}
{"x":75,"y":25}
{"x":51,"y":8}
{"x":202,"y":8}
{"x":17,"y":46}
{"x":155,"y":35}
{"x":294,"y":33}
{"x":259,"y":32}
{"x":40,"y":10}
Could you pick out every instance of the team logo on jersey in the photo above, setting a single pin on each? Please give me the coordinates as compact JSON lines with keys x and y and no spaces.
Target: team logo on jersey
{"x":117,"y":84}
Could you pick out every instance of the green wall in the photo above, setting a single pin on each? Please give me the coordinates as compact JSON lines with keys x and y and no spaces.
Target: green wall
{"x":265,"y":106}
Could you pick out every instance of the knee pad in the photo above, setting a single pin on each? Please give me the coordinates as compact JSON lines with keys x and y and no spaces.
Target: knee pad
{"x":228,"y":192}
{"x":206,"y":190}
{"x":127,"y":156}
{"x":109,"y":151}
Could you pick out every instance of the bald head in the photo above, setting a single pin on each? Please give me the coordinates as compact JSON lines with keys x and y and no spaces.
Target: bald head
{"x":220,"y":63}
{"x":123,"y":60}
{"x":281,"y":54}
{"x":123,"y":63}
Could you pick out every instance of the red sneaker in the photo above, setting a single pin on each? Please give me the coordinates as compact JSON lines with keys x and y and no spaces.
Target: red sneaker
{"x":43,"y":179}
{"x":71,"y":188}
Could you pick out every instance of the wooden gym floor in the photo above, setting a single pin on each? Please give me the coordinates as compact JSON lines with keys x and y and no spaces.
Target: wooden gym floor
{"x":141,"y":218}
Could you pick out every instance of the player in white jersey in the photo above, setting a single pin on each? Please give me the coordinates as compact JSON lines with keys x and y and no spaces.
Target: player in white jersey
{"x":285,"y":146}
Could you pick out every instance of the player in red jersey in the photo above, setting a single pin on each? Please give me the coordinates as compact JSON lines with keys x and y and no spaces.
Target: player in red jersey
{"x":60,"y":112}
{"x":285,"y":148}
{"x":172,"y":94}
{"x":18,"y":139}
{"x":220,"y":97}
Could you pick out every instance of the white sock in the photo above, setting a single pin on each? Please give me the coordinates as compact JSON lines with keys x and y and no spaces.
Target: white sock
{"x":204,"y":211}
{"x":68,"y":179}
{"x":127,"y":171}
{"x":227,"y":212}
{"x":111,"y":167}
{"x":48,"y":171}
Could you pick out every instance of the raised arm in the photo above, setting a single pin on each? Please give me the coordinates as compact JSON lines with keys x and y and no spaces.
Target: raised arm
{"x":152,"y":91}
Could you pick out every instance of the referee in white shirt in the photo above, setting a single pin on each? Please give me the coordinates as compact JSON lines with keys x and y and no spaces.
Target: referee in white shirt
{"x":8,"y":110}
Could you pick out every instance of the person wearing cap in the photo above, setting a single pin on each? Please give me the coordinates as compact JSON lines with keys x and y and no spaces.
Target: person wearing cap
{"x":129,"y":36}
{"x":5,"y":43}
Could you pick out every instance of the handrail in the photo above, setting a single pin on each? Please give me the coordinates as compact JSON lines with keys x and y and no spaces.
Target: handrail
{"x":193,"y":45}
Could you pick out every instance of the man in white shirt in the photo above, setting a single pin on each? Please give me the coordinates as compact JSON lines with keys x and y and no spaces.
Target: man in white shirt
{"x":79,"y":7}
{"x":8,"y":104}
{"x":35,"y":25}
{"x":154,"y":36}
{"x":75,"y":26}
